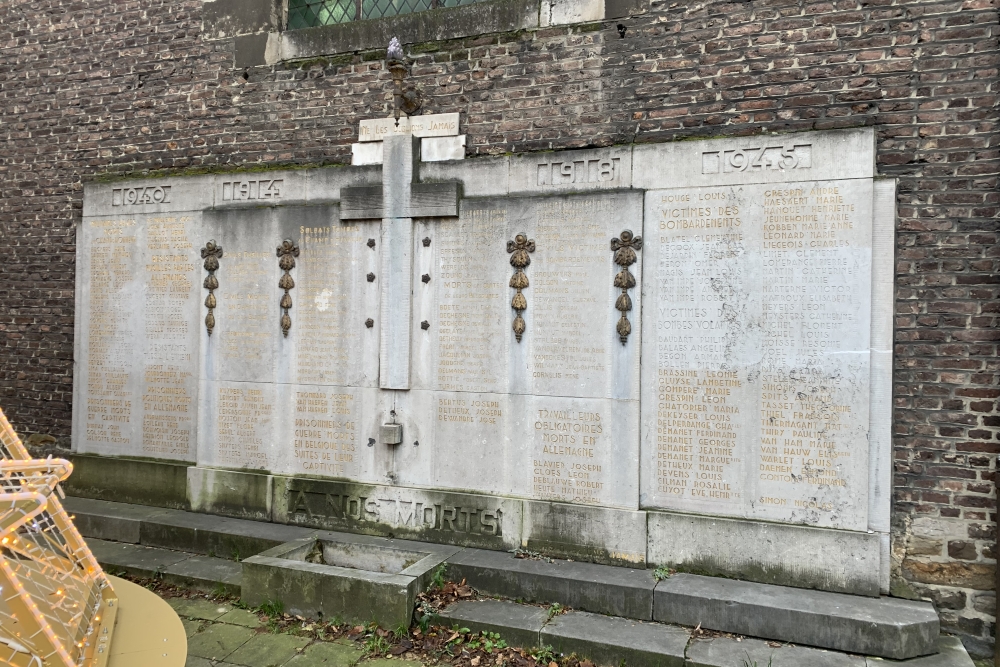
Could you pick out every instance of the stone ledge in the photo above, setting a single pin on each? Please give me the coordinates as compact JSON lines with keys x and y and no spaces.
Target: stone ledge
{"x":607,"y":640}
{"x":519,"y":625}
{"x":598,"y":588}
{"x":841,"y":561}
{"x":144,"y":482}
{"x":724,"y":652}
{"x":175,"y":567}
{"x":884,"y":627}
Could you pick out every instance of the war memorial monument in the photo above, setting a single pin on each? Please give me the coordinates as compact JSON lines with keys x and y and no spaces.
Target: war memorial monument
{"x":665,"y":332}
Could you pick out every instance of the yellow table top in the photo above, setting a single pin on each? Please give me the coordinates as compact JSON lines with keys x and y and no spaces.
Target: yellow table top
{"x":147,"y":632}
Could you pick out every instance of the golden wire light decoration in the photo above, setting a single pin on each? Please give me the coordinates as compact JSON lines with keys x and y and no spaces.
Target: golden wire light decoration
{"x":58,"y":607}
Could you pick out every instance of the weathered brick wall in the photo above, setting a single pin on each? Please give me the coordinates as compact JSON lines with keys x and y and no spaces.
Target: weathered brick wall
{"x":100,"y":86}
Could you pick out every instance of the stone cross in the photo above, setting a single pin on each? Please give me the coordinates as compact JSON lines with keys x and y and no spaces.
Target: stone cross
{"x":399,"y":200}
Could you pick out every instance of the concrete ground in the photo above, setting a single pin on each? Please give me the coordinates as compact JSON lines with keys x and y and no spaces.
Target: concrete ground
{"x":220,"y":635}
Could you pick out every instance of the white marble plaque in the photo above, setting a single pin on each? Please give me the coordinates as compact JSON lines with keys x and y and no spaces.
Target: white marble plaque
{"x":433,"y":125}
{"x":756,"y":358}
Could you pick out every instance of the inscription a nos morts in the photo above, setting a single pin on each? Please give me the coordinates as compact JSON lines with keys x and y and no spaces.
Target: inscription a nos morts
{"x":338,"y":508}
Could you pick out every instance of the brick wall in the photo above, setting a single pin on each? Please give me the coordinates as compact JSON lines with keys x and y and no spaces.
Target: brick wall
{"x":99,"y":86}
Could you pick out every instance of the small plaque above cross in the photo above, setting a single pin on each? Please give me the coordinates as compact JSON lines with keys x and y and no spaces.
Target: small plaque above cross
{"x":397,"y":202}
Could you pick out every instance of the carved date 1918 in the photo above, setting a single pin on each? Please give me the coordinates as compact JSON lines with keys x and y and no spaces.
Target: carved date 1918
{"x":760,"y":158}
{"x":600,"y":170}
{"x":336,"y":508}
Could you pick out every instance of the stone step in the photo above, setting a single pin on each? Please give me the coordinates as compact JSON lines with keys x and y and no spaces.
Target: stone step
{"x":177,"y":529}
{"x":609,"y":640}
{"x":174,"y":567}
{"x":887,"y":627}
{"x":604,"y":589}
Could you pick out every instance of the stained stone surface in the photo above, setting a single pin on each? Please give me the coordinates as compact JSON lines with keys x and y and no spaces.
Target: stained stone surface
{"x":753,"y":381}
{"x":756,"y":368}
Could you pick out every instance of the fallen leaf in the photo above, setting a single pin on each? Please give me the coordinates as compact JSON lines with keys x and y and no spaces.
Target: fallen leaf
{"x":553,"y":664}
{"x":475,"y":661}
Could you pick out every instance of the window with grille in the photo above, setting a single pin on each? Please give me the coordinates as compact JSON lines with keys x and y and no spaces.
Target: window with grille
{"x":312,"y":13}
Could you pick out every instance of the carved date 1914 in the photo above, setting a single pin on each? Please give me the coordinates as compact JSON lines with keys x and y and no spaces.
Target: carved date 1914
{"x":251,"y":190}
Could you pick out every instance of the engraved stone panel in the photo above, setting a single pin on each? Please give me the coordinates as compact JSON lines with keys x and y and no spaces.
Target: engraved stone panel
{"x":756,"y":357}
{"x":555,"y":415}
{"x":138,"y":338}
{"x":332,"y":344}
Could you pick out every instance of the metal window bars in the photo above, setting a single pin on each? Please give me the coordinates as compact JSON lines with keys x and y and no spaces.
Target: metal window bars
{"x":56,"y":604}
{"x":313,"y":13}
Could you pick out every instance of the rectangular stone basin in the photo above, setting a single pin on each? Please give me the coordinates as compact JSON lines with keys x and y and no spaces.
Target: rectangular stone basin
{"x":349,"y":578}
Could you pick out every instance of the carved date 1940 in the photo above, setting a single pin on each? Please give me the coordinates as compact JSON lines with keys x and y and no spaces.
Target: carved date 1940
{"x":159,"y":194}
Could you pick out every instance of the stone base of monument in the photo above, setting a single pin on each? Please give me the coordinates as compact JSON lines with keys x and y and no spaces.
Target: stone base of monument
{"x":617,"y":611}
{"x":886,"y":627}
{"x":349,"y":578}
{"x":608,"y":640}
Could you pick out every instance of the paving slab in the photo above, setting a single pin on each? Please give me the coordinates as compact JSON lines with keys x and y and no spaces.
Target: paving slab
{"x":726,"y":652}
{"x":247,"y":619}
{"x":517,"y":624}
{"x":195,"y":661}
{"x":608,"y":640}
{"x":951,"y":653}
{"x":268,"y":650}
{"x":883,"y":627}
{"x":199,"y":608}
{"x":328,"y":654}
{"x":218,"y":640}
{"x":603,"y":589}
{"x":191,"y":626}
